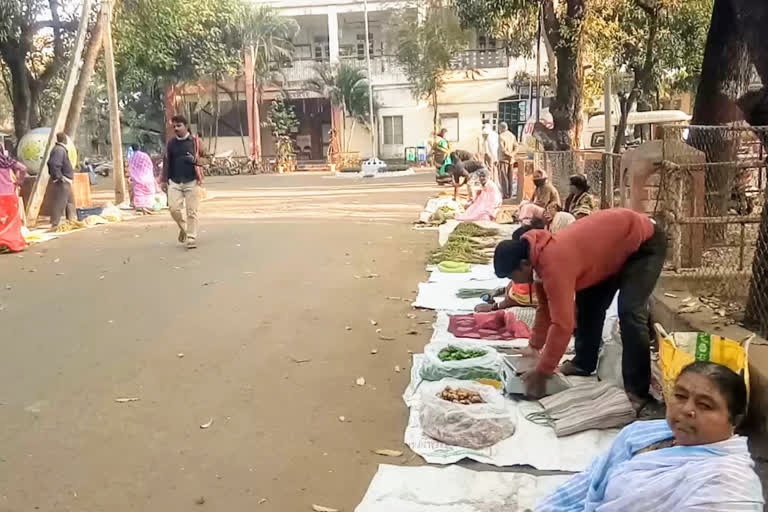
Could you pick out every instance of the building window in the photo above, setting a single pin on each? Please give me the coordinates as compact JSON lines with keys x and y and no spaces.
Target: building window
{"x":393,"y":130}
{"x":451,"y":123}
{"x":486,"y":43}
{"x":361,"y":45}
{"x":321,"y":48}
{"x":491,"y":118}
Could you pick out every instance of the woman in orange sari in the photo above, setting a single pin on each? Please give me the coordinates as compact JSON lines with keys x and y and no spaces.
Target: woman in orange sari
{"x":11,"y":177}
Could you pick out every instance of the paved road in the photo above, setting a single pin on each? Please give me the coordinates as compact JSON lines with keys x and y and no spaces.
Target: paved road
{"x":105,"y":314}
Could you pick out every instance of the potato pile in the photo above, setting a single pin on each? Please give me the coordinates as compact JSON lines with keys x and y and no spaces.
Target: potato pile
{"x":460,"y":396}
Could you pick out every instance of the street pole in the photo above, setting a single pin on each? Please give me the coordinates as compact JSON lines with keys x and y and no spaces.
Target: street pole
{"x":114,"y":110}
{"x":538,"y":68}
{"x":38,"y":192}
{"x":608,"y":140}
{"x":370,"y":81}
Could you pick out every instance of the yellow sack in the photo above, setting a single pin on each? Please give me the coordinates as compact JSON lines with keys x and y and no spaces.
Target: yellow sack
{"x":678,"y":350}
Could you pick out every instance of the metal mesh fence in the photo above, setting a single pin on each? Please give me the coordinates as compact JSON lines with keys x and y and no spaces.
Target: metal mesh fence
{"x":595,"y":166}
{"x":711,"y":195}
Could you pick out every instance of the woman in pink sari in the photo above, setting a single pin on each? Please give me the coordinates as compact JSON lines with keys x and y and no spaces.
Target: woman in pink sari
{"x":142,"y":174}
{"x":487,"y":201}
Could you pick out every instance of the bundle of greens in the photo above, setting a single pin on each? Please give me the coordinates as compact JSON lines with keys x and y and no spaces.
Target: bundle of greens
{"x":473,"y":293}
{"x":459,"y":249}
{"x":470,"y":229}
{"x":452,"y":353}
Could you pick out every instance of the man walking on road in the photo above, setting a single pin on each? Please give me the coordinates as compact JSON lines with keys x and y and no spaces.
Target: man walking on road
{"x":507,"y":152}
{"x":62,"y":175}
{"x":182,"y":178}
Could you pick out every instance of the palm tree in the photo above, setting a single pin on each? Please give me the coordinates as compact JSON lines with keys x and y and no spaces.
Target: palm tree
{"x":346,"y":86}
{"x":268,"y":37}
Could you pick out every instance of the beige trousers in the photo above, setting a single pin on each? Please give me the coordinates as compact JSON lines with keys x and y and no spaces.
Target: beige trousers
{"x":180,"y":194}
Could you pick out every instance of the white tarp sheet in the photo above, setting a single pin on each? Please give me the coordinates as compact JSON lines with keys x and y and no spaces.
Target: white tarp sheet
{"x":531,"y":444}
{"x":471,"y":278}
{"x":442,"y":295}
{"x":454,"y":489}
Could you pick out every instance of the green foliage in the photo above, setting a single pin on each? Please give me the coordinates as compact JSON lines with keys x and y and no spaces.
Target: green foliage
{"x":617,"y":42}
{"x":511,"y":22}
{"x":346,"y":86}
{"x":426,"y":50}
{"x":282,"y":118}
{"x":177,"y":40}
{"x":269,"y":36}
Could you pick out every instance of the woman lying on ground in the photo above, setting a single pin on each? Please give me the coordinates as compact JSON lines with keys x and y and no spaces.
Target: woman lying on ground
{"x":692,"y":461}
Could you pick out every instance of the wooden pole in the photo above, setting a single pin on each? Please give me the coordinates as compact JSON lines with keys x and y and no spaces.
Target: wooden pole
{"x":38,"y":192}
{"x":114,"y":108}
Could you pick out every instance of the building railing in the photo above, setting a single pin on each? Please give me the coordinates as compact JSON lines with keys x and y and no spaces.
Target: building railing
{"x":480,"y":59}
{"x":386,"y":70}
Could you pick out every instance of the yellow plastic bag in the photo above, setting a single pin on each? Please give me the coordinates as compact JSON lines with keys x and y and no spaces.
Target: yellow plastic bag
{"x":678,"y":350}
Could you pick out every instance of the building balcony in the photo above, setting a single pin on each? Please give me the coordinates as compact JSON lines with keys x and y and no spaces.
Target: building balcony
{"x":385,"y":69}
{"x":479,"y":59}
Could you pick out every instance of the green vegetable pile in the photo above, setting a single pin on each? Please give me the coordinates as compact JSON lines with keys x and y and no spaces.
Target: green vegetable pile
{"x":452,"y":353}
{"x":459,"y":248}
{"x":473,"y":230}
{"x":473,"y":293}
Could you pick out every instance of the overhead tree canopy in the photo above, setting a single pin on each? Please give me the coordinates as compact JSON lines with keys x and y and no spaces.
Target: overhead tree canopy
{"x":35,"y":39}
{"x":425,"y":48}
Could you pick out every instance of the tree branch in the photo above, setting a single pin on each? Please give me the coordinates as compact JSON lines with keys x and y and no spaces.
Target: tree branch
{"x":58,"y":45}
{"x":69,"y":26}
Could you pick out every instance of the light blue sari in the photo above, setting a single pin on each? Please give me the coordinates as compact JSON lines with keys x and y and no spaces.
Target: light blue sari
{"x":718,"y":477}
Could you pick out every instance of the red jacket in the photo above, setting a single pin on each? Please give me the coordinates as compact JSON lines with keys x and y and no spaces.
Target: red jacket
{"x":584,"y":254}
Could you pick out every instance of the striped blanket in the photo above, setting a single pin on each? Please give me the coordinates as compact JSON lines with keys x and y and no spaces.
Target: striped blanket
{"x":718,"y":477}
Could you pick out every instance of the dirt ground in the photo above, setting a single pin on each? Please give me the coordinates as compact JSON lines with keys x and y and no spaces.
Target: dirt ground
{"x":279,"y":278}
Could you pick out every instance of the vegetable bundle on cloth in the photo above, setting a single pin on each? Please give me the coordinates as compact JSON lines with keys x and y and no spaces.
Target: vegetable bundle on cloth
{"x":460,"y":360}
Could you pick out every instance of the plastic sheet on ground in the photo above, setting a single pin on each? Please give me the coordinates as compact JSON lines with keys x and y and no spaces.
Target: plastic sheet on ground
{"x":442,"y":295}
{"x":533,"y":445}
{"x":473,"y":279}
{"x":454,"y":489}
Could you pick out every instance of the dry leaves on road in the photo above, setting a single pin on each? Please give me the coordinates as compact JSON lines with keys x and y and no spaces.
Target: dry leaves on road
{"x":388,"y":453}
{"x":360,"y":381}
{"x":206,"y":425}
{"x":124,"y":400}
{"x":321,"y":508}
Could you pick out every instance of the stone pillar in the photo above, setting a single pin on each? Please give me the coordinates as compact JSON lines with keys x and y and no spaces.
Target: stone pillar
{"x":333,"y":36}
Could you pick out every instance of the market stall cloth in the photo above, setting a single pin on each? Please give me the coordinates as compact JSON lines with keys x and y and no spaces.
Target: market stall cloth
{"x":454,"y":489}
{"x":442,"y":334}
{"x":496,"y":325}
{"x":531,"y":444}
{"x":595,"y":405}
{"x":442,"y":295}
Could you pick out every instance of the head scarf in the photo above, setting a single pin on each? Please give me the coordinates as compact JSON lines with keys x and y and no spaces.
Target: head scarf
{"x":482,"y":173}
{"x":561,"y":220}
{"x":579,"y":181}
{"x":540,"y":174}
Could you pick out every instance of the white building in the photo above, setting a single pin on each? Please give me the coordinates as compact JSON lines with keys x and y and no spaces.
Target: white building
{"x":335,"y":32}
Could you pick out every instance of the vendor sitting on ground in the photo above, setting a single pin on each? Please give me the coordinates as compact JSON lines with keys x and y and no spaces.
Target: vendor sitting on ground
{"x":545,"y":201}
{"x":616,"y":249}
{"x":515,"y":294}
{"x":486,"y":202}
{"x":692,"y":461}
{"x":579,"y":202}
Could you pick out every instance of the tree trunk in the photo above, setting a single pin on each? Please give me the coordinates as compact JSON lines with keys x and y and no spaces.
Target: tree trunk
{"x":86,"y":73}
{"x":21,"y":94}
{"x":351,"y":131}
{"x":551,"y":62}
{"x":216,"y":113}
{"x":565,"y":36}
{"x":725,"y":76}
{"x":434,"y":112}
